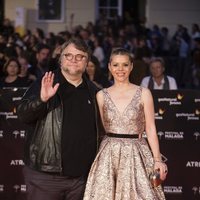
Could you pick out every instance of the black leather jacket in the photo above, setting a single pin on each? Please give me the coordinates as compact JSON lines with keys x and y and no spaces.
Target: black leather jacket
{"x":43,"y":139}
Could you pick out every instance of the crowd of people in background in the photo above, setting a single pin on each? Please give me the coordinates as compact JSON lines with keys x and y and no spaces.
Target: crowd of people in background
{"x":25,"y":58}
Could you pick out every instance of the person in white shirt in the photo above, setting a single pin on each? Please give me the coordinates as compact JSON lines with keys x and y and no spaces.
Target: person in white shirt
{"x":158,"y":80}
{"x":99,"y":53}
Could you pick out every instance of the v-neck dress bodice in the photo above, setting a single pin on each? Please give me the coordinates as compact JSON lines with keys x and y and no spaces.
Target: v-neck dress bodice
{"x":130,"y":121}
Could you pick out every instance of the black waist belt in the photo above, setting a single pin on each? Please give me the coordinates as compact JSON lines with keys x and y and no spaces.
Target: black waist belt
{"x":122,"y":135}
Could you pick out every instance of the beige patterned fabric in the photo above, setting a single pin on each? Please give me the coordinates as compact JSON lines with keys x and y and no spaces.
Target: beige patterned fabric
{"x":122,"y":166}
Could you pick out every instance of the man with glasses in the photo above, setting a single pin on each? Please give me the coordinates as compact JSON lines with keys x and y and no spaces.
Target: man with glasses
{"x":64,"y":128}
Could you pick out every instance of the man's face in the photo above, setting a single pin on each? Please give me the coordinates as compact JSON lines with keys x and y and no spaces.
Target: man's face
{"x":73,"y":61}
{"x":156,"y":69}
{"x":43,"y":56}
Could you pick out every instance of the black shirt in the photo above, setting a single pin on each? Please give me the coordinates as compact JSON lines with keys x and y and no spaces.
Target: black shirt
{"x":78,"y":129}
{"x":19,"y":82}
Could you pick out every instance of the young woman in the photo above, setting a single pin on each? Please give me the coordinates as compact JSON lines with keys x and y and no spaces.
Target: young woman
{"x":124,"y":162}
{"x":94,"y":73}
{"x":11,"y":70}
{"x":24,"y":71}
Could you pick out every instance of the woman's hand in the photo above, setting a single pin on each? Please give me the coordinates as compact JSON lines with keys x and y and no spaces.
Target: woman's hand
{"x":162,"y":169}
{"x":47,"y":88}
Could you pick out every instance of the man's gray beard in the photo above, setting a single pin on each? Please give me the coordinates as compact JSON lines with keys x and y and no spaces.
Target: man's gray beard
{"x":78,"y":72}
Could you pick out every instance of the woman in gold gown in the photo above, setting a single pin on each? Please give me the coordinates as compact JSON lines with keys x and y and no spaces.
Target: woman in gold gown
{"x":125,"y":159}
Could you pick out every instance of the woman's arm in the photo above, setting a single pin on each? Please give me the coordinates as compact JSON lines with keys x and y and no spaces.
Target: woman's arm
{"x":151,"y":132}
{"x":100,"y":102}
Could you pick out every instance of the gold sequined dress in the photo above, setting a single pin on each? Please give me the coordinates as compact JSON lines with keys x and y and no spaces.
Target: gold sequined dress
{"x":122,"y":166}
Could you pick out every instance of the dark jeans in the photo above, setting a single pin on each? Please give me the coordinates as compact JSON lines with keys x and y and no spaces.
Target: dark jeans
{"x":43,"y":186}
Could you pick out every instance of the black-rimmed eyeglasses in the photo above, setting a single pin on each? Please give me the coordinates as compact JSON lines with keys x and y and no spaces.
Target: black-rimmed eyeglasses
{"x":78,"y":57}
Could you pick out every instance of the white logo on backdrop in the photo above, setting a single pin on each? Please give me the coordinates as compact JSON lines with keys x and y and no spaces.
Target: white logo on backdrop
{"x":19,"y":188}
{"x":16,"y":98}
{"x":1,"y":188}
{"x":160,"y":134}
{"x":175,"y":135}
{"x":173,"y":101}
{"x":196,"y":190}
{"x":193,"y":164}
{"x":196,"y":134}
{"x":173,"y":189}
{"x":189,"y":116}
{"x":20,"y":133}
{"x":17,"y":162}
{"x":196,"y":100}
{"x":1,"y":133}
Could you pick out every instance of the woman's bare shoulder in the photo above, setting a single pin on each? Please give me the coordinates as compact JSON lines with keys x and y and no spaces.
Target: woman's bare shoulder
{"x":146,"y":94}
{"x":100,"y":93}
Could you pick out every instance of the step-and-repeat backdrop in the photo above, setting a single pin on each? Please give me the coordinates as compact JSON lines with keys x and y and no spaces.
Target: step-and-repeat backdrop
{"x":177,"y":116}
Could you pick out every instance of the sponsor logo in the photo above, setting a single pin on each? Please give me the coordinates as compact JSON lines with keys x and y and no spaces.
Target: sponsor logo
{"x":6,"y":113}
{"x":1,"y":188}
{"x":159,"y":114}
{"x":174,"y":135}
{"x":196,"y":100}
{"x":189,"y":116}
{"x":19,"y":188}
{"x":173,"y":189}
{"x":16,"y":162}
{"x":16,"y":98}
{"x":179,"y":96}
{"x":197,"y":112}
{"x":20,"y":134}
{"x":1,"y":133}
{"x":172,"y":101}
{"x":160,"y":134}
{"x":194,"y":164}
{"x":10,"y":115}
{"x":196,"y":190}
{"x":196,"y":135}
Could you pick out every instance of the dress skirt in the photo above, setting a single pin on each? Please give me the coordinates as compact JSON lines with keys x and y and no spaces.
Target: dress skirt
{"x":121,"y":171}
